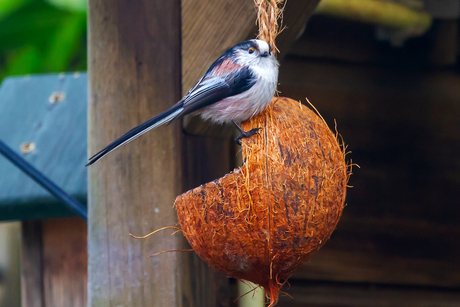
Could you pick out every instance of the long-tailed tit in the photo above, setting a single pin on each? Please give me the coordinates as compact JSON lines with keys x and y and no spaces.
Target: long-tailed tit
{"x":239,"y":85}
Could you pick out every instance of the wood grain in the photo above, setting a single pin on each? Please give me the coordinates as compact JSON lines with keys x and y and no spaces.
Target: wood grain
{"x":363,"y":295}
{"x":65,"y":262}
{"x":61,"y":158}
{"x":134,"y":73}
{"x":54,"y":263}
{"x":207,"y":159}
{"x":32,"y":292}
{"x":388,"y":251}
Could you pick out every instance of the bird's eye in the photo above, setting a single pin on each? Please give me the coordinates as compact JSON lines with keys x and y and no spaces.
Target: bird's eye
{"x":251,"y":50}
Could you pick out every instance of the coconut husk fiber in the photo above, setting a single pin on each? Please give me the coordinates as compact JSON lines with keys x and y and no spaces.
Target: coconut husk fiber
{"x":266,"y":218}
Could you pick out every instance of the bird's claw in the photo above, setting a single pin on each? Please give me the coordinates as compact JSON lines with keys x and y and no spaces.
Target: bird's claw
{"x":246,"y":134}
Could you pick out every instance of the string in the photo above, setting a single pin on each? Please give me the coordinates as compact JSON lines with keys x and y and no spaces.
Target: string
{"x":269,"y":12}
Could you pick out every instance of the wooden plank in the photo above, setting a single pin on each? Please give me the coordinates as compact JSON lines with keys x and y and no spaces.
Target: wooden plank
{"x":388,"y":251}
{"x":357,"y":295}
{"x":31,"y":113}
{"x":65,"y":262}
{"x":135,"y":73}
{"x":54,"y":263}
{"x":207,"y":159}
{"x":211,"y":27}
{"x":400,"y":125}
{"x":10,"y":260}
{"x":32,"y":292}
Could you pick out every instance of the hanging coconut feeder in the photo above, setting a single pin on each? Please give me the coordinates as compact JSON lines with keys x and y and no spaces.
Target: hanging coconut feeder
{"x":266,"y":218}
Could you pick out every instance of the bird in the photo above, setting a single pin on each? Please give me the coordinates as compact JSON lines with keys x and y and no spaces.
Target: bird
{"x":239,"y":85}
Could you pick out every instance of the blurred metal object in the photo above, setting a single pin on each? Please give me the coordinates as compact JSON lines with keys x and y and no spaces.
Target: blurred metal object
{"x":380,"y":13}
{"x":400,"y":20}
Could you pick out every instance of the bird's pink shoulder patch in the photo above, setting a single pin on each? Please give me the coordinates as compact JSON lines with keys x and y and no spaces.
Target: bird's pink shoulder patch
{"x":225,"y":68}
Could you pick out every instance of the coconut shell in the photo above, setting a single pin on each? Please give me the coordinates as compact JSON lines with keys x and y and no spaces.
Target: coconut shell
{"x":266,"y":218}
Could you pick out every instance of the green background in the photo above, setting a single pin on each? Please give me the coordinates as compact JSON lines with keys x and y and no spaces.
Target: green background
{"x":42,"y":36}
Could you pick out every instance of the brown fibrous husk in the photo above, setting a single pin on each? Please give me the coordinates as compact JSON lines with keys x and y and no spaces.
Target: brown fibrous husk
{"x":266,"y":218}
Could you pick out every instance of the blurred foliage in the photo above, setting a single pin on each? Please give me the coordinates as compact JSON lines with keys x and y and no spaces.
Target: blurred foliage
{"x":41,"y":36}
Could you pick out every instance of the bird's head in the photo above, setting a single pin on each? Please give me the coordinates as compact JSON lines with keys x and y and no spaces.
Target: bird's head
{"x":254,"y":52}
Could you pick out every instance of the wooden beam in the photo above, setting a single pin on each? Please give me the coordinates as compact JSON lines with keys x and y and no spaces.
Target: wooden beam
{"x":207,"y":159}
{"x":54,"y":263}
{"x":210,"y":27}
{"x":135,"y":73}
{"x":388,"y":251}
{"x":65,"y":262}
{"x":351,"y":295}
{"x":32,"y":293}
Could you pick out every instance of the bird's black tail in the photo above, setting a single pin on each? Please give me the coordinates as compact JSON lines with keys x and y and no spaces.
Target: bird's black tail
{"x":152,"y":123}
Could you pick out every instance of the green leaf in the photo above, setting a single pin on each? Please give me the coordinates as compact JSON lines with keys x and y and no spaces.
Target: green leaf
{"x":31,"y":25}
{"x":9,"y":6}
{"x":71,"y":5}
{"x":65,"y":43}
{"x":25,"y":61}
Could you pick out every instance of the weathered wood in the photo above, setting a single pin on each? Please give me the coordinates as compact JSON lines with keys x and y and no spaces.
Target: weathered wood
{"x":54,"y":263}
{"x":211,"y":27}
{"x":400,"y":127}
{"x":349,"y":295}
{"x":207,"y":159}
{"x":135,"y":73}
{"x":50,"y":113}
{"x":10,"y":260}
{"x":32,"y":292}
{"x":387,"y":251}
{"x":65,"y":262}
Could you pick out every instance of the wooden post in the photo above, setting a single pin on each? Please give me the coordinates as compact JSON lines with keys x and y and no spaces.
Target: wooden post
{"x":54,"y":263}
{"x":134,"y":73}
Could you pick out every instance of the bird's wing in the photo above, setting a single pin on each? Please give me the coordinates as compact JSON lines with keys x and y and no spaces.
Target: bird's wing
{"x":212,"y":89}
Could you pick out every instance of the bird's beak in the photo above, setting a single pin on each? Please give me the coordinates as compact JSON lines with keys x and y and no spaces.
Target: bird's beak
{"x":270,"y":48}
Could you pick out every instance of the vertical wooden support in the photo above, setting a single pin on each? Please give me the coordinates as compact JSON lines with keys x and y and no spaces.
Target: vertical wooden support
{"x":54,"y":263}
{"x":207,"y":159}
{"x":135,"y":73}
{"x":32,"y":293}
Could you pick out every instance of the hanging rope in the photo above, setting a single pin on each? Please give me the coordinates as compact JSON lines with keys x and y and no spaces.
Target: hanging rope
{"x":268,"y":14}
